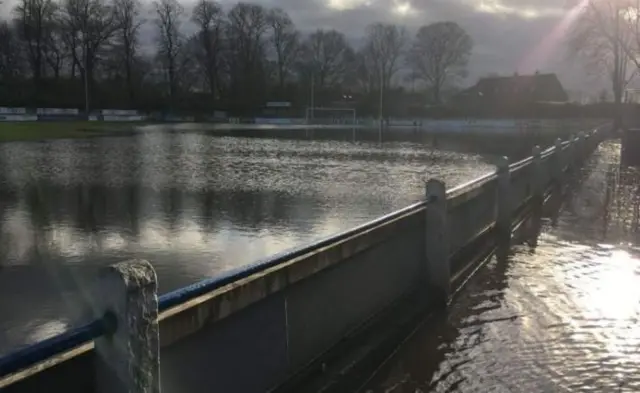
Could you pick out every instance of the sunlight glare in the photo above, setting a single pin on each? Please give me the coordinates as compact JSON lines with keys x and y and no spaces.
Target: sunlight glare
{"x":497,"y":7}
{"x":614,"y":299}
{"x":631,"y":14}
{"x":343,"y":5}
{"x":402,"y":8}
{"x":618,"y":282}
{"x":538,"y":57}
{"x":43,"y":330}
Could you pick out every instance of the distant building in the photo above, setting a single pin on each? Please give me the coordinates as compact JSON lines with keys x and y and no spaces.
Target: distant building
{"x":513,"y":90}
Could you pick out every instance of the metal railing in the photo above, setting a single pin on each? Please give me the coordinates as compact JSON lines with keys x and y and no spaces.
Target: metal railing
{"x":469,"y":209}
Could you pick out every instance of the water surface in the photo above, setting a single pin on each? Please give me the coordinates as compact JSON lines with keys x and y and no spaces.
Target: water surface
{"x":558,"y":316}
{"x":192,"y":204}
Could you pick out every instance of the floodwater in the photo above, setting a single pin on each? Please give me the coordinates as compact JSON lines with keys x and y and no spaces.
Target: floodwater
{"x":557,"y":316}
{"x":192,"y":204}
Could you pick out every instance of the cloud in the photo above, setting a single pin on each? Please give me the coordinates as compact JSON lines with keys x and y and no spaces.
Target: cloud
{"x":517,"y":8}
{"x":510,"y":35}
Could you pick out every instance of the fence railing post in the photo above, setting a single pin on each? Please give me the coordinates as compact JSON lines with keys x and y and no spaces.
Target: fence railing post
{"x":558,"y":164}
{"x":537,"y":185}
{"x":537,"y":195}
{"x":582,"y":142}
{"x":128,"y":360}
{"x":575,"y":152}
{"x":594,"y":139}
{"x":503,"y":200}
{"x":437,"y":243}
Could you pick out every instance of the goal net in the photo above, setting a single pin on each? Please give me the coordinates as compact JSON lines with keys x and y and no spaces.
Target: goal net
{"x":330,"y":116}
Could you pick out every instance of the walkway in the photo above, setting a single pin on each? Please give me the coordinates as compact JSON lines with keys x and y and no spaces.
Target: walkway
{"x":558,"y":317}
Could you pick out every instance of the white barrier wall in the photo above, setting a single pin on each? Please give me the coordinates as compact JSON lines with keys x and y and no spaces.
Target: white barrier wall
{"x":123,"y":118}
{"x":58,"y":111}
{"x":12,"y":111}
{"x":481,"y":123}
{"x":119,"y":112}
{"x":18,"y":118}
{"x":279,"y":121}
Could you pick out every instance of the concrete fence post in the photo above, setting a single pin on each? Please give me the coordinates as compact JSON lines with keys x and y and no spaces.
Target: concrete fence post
{"x":437,"y":243}
{"x":537,"y":195}
{"x":593,"y":140}
{"x":582,"y":138}
{"x":572,"y":153}
{"x":558,"y":163}
{"x":537,"y":185}
{"x":128,"y":360}
{"x":503,"y":200}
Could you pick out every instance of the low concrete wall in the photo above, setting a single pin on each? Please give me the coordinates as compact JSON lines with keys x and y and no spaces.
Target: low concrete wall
{"x":253,"y":334}
{"x":253,"y":331}
{"x":292,"y":313}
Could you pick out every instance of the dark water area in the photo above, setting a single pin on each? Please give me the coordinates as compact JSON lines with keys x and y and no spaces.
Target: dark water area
{"x":559,"y":315}
{"x":192,"y":204}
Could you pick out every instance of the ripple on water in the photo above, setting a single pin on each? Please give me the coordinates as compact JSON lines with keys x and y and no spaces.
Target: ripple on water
{"x":560,"y":317}
{"x":192,"y":204}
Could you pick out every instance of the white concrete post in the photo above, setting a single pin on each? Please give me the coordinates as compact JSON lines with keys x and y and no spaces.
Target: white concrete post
{"x":575,"y":152}
{"x":503,"y":200}
{"x":437,"y":243}
{"x":537,"y":185}
{"x":582,"y":143}
{"x":558,"y":163}
{"x":128,"y":360}
{"x":537,"y":193}
{"x":593,"y":140}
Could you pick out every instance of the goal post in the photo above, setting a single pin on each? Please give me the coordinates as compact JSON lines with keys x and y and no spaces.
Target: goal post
{"x":330,"y":116}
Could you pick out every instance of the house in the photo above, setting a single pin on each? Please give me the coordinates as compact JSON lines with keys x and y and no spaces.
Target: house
{"x":513,"y":91}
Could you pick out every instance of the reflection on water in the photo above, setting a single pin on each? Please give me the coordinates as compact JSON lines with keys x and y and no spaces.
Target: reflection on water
{"x":560,"y":317}
{"x":191,"y":204}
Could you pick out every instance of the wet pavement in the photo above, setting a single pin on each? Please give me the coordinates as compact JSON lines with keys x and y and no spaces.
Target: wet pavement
{"x":559,"y":315}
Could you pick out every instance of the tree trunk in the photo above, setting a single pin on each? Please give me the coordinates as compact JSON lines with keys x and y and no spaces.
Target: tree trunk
{"x":436,"y":94}
{"x":130,"y":87}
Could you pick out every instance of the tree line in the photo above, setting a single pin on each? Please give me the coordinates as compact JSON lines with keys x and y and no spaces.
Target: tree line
{"x":606,"y":38}
{"x":89,"y":54}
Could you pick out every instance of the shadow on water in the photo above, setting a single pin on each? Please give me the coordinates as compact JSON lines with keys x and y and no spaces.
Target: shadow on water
{"x":560,"y":314}
{"x":193,"y":205}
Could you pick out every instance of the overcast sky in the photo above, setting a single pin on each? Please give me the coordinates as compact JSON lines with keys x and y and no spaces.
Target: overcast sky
{"x":510,"y":35}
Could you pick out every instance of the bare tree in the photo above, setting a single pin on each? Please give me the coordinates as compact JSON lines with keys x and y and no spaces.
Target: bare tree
{"x":88,"y":27}
{"x":328,"y":56}
{"x":9,"y":53}
{"x":207,"y":42}
{"x":285,"y":42}
{"x":383,"y":48}
{"x":439,"y":54}
{"x":169,"y":40}
{"x":361,"y":75}
{"x":35,"y":18}
{"x":602,"y":37}
{"x":128,"y":23}
{"x":246,"y":29}
{"x":56,"y":54}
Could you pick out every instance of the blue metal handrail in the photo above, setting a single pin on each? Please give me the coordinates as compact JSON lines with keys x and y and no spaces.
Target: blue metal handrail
{"x":33,"y":354}
{"x":185,"y":294}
